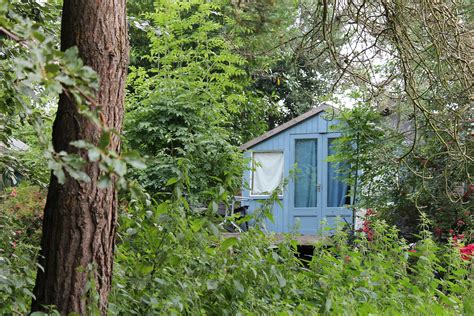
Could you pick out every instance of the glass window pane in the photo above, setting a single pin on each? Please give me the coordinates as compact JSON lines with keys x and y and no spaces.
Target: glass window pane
{"x":268,"y":172}
{"x":306,"y":180}
{"x":337,"y":189}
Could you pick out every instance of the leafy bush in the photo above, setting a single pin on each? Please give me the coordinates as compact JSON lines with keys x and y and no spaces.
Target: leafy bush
{"x":401,"y":181}
{"x":20,"y":222}
{"x":172,"y":260}
{"x":192,"y":101}
{"x":25,"y":202}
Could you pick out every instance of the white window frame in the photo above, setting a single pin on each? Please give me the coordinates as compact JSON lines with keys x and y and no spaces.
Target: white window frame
{"x":252,"y":173}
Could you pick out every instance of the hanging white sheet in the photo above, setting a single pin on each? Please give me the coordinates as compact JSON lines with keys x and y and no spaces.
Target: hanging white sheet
{"x":268,"y":172}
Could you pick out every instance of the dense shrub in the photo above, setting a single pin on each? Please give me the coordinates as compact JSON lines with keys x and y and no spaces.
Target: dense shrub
{"x":193,"y":103}
{"x":20,"y":222}
{"x":25,"y":202}
{"x":401,"y":181}
{"x":170,"y":260}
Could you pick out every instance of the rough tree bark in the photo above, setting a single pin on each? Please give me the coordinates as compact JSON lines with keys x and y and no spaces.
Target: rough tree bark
{"x":80,"y":218}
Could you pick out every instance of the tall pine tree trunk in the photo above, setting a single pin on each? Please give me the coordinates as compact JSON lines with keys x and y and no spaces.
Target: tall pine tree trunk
{"x":80,"y":218}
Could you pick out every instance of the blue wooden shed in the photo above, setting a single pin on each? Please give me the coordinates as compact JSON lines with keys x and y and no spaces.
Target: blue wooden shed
{"x":315,"y":197}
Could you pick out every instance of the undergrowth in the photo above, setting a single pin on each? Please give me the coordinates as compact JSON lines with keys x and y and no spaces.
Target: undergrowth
{"x":172,"y":259}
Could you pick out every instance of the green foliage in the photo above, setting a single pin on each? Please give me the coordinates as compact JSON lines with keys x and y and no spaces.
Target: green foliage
{"x":185,"y":105}
{"x":24,"y":201}
{"x":290,"y":78}
{"x":20,"y":227}
{"x":409,"y":61}
{"x":197,"y":66}
{"x":171,"y":259}
{"x":31,"y":163}
{"x":33,"y":72}
{"x":401,"y":181}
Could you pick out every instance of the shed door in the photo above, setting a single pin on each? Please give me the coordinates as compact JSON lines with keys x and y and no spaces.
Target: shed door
{"x":305,"y":189}
{"x":317,"y":196}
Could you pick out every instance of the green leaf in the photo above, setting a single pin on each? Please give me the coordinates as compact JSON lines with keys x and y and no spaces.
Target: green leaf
{"x":131,"y":231}
{"x":29,"y":293}
{"x":196,"y":225}
{"x":39,"y":36}
{"x":60,"y":175}
{"x":145,"y":269}
{"x":94,"y":154}
{"x":281,"y":280}
{"x":71,"y":54}
{"x":134,"y":160}
{"x":171,"y":181}
{"x":68,"y":81}
{"x":328,"y":305}
{"x":4,"y":6}
{"x":212,"y":284}
{"x":162,"y":208}
{"x":229,"y":242}
{"x":119,"y":167}
{"x":214,"y":207}
{"x":52,"y":68}
{"x":104,"y":182}
{"x":78,"y":175}
{"x":238,"y":286}
{"x":161,"y":281}
{"x":213,"y":228}
{"x":104,"y":140}
{"x":79,"y":144}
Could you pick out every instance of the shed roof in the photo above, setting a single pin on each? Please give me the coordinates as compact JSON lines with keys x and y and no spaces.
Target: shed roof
{"x":313,"y":112}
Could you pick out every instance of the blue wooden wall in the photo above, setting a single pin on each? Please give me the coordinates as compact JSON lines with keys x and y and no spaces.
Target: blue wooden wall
{"x":283,"y":220}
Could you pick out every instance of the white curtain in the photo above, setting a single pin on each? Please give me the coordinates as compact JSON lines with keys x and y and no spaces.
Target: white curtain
{"x":268,"y":172}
